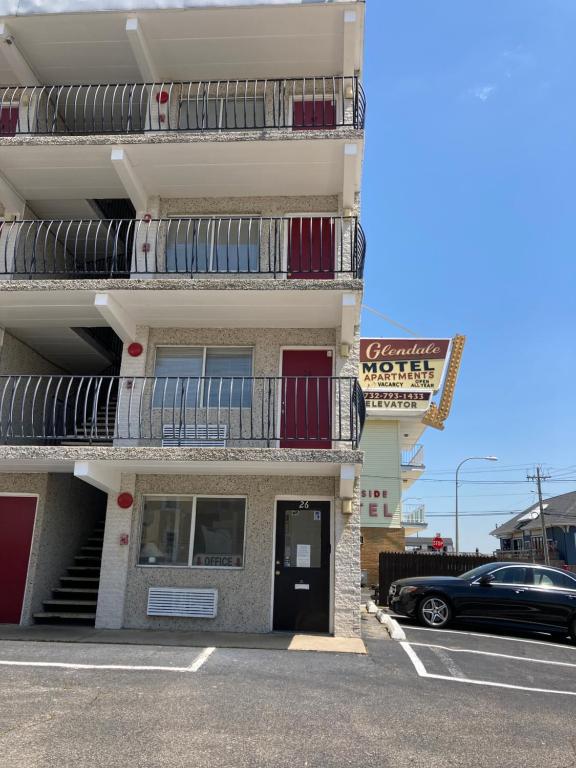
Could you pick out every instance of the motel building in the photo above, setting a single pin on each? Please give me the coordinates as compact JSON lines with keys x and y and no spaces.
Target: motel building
{"x":399,"y":378}
{"x":181,"y":263}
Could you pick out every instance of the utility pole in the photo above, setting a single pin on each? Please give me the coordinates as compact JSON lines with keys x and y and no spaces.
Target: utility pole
{"x":538,"y":478}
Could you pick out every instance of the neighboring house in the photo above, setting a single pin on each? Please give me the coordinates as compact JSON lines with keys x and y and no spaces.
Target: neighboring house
{"x":521,"y":537}
{"x":424,"y":544}
{"x":181,"y":266}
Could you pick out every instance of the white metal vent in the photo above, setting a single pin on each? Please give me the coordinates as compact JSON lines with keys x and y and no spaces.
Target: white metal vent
{"x":172,"y":601}
{"x":195,"y":435}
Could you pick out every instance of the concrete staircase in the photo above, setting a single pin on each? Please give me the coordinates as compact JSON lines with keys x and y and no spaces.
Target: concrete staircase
{"x":75,"y":600}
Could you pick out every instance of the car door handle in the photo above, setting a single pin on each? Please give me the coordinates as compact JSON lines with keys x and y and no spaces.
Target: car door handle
{"x":519,"y":591}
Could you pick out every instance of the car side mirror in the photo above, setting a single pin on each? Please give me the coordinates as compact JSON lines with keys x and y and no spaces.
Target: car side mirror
{"x":486,"y":579}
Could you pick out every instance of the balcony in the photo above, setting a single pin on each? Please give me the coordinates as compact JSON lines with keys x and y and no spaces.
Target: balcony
{"x":294,"y":104}
{"x":413,"y":457}
{"x":414,"y":518}
{"x":327,"y":248}
{"x":230,"y":412}
{"x":530,"y":554}
{"x":411,"y":464}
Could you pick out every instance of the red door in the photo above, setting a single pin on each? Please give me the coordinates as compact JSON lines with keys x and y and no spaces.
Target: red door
{"x":16,"y":525}
{"x":311,"y":248}
{"x":306,"y":409}
{"x":309,"y":114}
{"x":8,"y":121}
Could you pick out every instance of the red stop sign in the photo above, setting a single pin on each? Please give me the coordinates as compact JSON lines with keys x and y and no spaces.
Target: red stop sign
{"x":437,"y":541}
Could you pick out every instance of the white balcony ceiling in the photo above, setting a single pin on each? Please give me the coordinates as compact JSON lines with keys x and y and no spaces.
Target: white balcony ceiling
{"x":64,"y":348}
{"x":200,"y":43}
{"x":171,"y":170}
{"x":175,"y":309}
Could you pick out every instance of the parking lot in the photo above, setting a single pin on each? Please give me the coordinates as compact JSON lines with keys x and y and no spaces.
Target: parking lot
{"x":501,"y":659}
{"x":92,"y":705}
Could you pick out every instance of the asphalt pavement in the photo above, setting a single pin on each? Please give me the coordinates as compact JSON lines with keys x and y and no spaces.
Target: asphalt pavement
{"x":90,"y":705}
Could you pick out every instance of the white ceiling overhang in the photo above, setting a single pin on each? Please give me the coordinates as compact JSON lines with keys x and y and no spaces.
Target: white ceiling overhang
{"x":170,"y":169}
{"x":67,"y":41}
{"x":188,"y":308}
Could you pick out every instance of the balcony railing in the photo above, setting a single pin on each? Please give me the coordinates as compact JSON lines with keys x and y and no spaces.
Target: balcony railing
{"x":414,"y":514}
{"x":309,"y":247}
{"x":286,"y":412}
{"x":306,"y":103}
{"x":529,"y":554}
{"x":413,"y":457}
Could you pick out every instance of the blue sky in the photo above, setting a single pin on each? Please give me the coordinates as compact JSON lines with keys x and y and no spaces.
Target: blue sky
{"x":469,"y":206}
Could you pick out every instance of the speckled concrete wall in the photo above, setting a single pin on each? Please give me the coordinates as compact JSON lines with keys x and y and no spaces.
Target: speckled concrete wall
{"x":256,"y":206}
{"x":245,"y":595}
{"x":188,"y":137}
{"x":17,"y":357}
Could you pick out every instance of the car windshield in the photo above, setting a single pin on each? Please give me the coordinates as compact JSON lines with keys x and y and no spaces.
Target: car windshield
{"x":476,"y":572}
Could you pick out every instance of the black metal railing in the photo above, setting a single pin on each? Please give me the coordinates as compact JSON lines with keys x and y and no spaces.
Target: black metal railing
{"x":289,"y":411}
{"x":304,"y":103}
{"x":307,"y":247}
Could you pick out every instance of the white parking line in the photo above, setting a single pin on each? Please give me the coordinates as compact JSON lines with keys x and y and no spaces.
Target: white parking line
{"x":194,"y":667}
{"x":499,"y":655}
{"x":201,"y":658}
{"x":421,"y":670}
{"x":495,"y":637}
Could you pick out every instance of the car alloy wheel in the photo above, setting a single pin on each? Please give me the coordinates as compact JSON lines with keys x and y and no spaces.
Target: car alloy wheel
{"x":435,"y":612}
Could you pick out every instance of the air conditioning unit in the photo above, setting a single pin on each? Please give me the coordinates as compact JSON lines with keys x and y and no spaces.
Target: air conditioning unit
{"x":174,"y":601}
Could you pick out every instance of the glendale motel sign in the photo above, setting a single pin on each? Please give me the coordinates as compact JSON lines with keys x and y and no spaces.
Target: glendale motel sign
{"x":401,"y":374}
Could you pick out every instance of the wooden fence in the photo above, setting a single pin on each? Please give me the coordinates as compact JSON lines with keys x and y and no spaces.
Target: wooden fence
{"x":401,"y":565}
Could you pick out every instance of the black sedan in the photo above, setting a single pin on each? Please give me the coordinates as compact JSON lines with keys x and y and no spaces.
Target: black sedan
{"x":533,"y":597}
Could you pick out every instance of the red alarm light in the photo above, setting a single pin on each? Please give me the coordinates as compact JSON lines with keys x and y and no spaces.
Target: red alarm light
{"x":125,"y":500}
{"x":135,"y":349}
{"x":162,"y":97}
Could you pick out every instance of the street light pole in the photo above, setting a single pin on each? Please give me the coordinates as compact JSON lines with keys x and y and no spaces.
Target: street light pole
{"x":457,"y":530}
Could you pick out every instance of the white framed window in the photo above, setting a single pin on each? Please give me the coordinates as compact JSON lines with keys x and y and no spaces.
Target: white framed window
{"x":216,"y":113}
{"x":193,"y":531}
{"x":207,"y":244}
{"x":215,"y":377}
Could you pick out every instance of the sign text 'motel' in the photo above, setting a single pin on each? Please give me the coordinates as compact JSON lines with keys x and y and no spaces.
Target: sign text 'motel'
{"x":400,"y":364}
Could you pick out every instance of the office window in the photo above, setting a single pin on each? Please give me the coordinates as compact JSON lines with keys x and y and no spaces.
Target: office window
{"x":193,"y":531}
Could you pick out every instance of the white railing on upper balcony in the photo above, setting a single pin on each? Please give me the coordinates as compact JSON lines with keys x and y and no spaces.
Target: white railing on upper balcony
{"x":302,"y":103}
{"x":309,"y":247}
{"x":413,"y":457}
{"x":413,"y":514}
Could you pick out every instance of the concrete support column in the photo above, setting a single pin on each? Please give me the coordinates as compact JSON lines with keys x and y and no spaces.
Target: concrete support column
{"x":147,"y":256}
{"x":115,"y":560}
{"x":14,"y":212}
{"x":347,"y":592}
{"x":133,"y":421}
